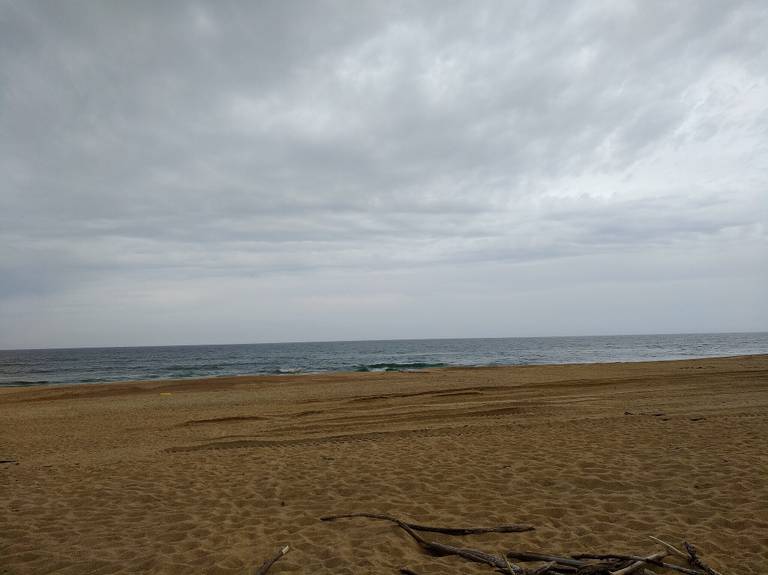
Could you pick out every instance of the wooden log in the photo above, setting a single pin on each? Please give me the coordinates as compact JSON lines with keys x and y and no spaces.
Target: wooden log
{"x":695,"y":560}
{"x":508,"y":528}
{"x":638,"y":565}
{"x":269,"y":562}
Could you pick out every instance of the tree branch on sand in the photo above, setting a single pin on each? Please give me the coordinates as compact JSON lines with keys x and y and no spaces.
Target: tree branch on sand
{"x":695,"y":561}
{"x":550,"y":564}
{"x":271,"y":561}
{"x":440,"y":549}
{"x":508,"y":528}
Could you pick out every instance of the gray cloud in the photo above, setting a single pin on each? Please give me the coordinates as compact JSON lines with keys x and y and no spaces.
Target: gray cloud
{"x":214,"y":150}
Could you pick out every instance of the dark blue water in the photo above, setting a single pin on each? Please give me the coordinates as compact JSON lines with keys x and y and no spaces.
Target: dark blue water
{"x":88,"y":365}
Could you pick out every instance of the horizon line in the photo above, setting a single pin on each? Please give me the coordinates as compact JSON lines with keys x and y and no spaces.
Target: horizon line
{"x":379,"y":340}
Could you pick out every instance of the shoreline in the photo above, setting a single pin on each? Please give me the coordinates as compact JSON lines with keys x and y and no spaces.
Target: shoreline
{"x":212,"y":475}
{"x":16,"y":386}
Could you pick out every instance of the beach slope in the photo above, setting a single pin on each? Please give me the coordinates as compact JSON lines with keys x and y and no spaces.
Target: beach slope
{"x":213,"y":476}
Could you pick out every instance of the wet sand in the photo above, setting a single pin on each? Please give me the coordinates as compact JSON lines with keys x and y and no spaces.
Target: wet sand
{"x":212,"y":476}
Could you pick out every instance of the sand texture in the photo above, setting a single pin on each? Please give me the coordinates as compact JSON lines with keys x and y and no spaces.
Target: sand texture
{"x":213,"y":476}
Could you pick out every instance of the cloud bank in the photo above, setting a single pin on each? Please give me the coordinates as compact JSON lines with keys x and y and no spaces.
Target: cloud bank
{"x":234,"y":172}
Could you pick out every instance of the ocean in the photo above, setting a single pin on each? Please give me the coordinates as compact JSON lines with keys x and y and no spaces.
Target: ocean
{"x":91,"y":365}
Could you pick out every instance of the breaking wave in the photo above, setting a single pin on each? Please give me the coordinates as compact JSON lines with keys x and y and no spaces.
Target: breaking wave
{"x":398,"y":366}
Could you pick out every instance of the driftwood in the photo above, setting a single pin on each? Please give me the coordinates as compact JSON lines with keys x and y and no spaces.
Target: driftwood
{"x":269,"y":562}
{"x":551,"y":568}
{"x":648,"y":560}
{"x":440,"y":549}
{"x":639,"y":565}
{"x":669,"y":546}
{"x":509,"y":528}
{"x":566,"y":565}
{"x":525,"y":556}
{"x":606,"y":568}
{"x":695,"y":561}
{"x":470,"y":554}
{"x":575,"y":564}
{"x":546,"y":568}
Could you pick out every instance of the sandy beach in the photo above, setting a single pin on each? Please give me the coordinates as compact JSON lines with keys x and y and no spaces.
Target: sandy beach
{"x":212,"y":476}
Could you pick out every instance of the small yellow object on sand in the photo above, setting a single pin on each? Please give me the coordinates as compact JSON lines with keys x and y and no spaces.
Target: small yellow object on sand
{"x":165,"y":393}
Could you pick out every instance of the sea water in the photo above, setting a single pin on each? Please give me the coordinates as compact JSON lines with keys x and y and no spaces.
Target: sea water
{"x":84,"y":365}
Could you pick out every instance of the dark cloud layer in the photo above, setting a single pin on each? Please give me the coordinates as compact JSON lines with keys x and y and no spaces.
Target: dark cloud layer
{"x":258,"y":171}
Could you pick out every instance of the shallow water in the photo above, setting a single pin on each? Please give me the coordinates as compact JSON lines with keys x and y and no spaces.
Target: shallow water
{"x":88,"y":365}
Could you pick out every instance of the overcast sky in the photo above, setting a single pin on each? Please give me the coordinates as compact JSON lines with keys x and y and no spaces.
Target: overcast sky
{"x":181,"y":172}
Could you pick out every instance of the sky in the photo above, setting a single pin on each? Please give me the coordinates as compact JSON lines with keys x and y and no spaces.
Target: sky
{"x":233,"y":172}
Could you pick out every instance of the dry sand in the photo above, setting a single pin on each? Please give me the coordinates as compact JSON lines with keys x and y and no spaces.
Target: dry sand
{"x":212,"y":476}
